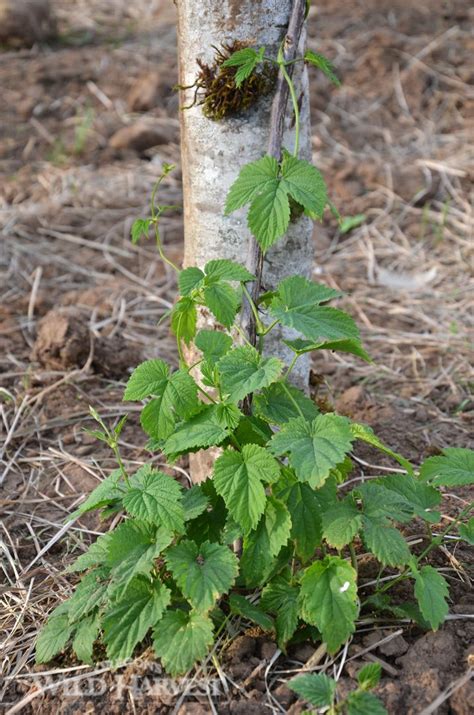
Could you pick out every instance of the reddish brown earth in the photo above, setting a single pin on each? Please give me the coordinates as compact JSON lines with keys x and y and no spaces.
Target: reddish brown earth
{"x":85,"y":124}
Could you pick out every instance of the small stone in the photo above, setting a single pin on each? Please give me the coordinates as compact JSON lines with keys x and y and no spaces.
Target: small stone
{"x":257,"y":692}
{"x":395,"y":647}
{"x":464,"y":608}
{"x":352,"y":668}
{"x":303,"y":652}
{"x":241,"y":647}
{"x":240,"y":671}
{"x":144,"y":93}
{"x":284,"y":695}
{"x":268,"y":650}
{"x":143,"y":135}
{"x":352,"y":401}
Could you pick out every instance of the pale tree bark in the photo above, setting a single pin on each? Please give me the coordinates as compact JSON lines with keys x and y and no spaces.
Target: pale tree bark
{"x":214,"y":152}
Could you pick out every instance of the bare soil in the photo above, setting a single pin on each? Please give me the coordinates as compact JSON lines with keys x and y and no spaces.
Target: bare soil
{"x":85,"y":125}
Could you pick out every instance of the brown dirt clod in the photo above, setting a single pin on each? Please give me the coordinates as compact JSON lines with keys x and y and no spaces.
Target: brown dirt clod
{"x":143,"y":135}
{"x":64,"y":341}
{"x":144,"y":93}
{"x":241,"y":647}
{"x":24,"y":22}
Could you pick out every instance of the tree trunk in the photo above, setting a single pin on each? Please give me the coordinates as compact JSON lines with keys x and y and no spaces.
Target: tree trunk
{"x":213,"y":152}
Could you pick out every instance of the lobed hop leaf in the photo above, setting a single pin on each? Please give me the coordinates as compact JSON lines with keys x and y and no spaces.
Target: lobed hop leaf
{"x":268,"y":187}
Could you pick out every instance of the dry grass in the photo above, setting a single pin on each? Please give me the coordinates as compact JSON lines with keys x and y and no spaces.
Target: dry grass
{"x":398,"y":153}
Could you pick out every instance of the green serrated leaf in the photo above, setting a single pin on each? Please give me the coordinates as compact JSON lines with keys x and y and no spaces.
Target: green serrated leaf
{"x":305,"y":185}
{"x":109,"y":491}
{"x":269,"y":214}
{"x":256,"y":561}
{"x":155,"y":497}
{"x":229,"y":414}
{"x":296,"y":292}
{"x":342,"y":470}
{"x":203,"y":572}
{"x":253,"y":430}
{"x":132,"y":550}
{"x":149,"y":378}
{"x":222,"y":269}
{"x":242,"y":607}
{"x":246,"y":60}
{"x":128,"y":620}
{"x":209,"y":525}
{"x":305,"y":511}
{"x":348,"y":223}
{"x":140,"y":228}
{"x":239,"y":477}
{"x":208,"y":374}
{"x":317,"y":688}
{"x":190,"y":279}
{"x":466,"y":531}
{"x":54,"y":635}
{"x":268,"y":192}
{"x":455,"y":468}
{"x":369,"y":676}
{"x":353,"y":347}
{"x":275,"y":405}
{"x":194,"y":502}
{"x":203,"y":430}
{"x":181,"y":639}
{"x":380,"y":502}
{"x":178,"y":400}
{"x":213,"y":344}
{"x":329,"y":599}
{"x":264,"y":543}
{"x":243,"y":370}
{"x":231,"y":532}
{"x":240,"y":57}
{"x":382,"y":603}
{"x":95,"y":554}
{"x":253,"y":178}
{"x":366,"y":434}
{"x":363,"y":703}
{"x":89,"y":593}
{"x":385,"y":542}
{"x":420,"y":497}
{"x":324,"y":322}
{"x":323,"y":64}
{"x":315,"y":447}
{"x":341,"y":523}
{"x":431,"y":591}
{"x":281,"y":598}
{"x":223,"y":301}
{"x":175,"y":396}
{"x":297,"y":306}
{"x":277,"y":523}
{"x":85,"y":637}
{"x":184,"y":319}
